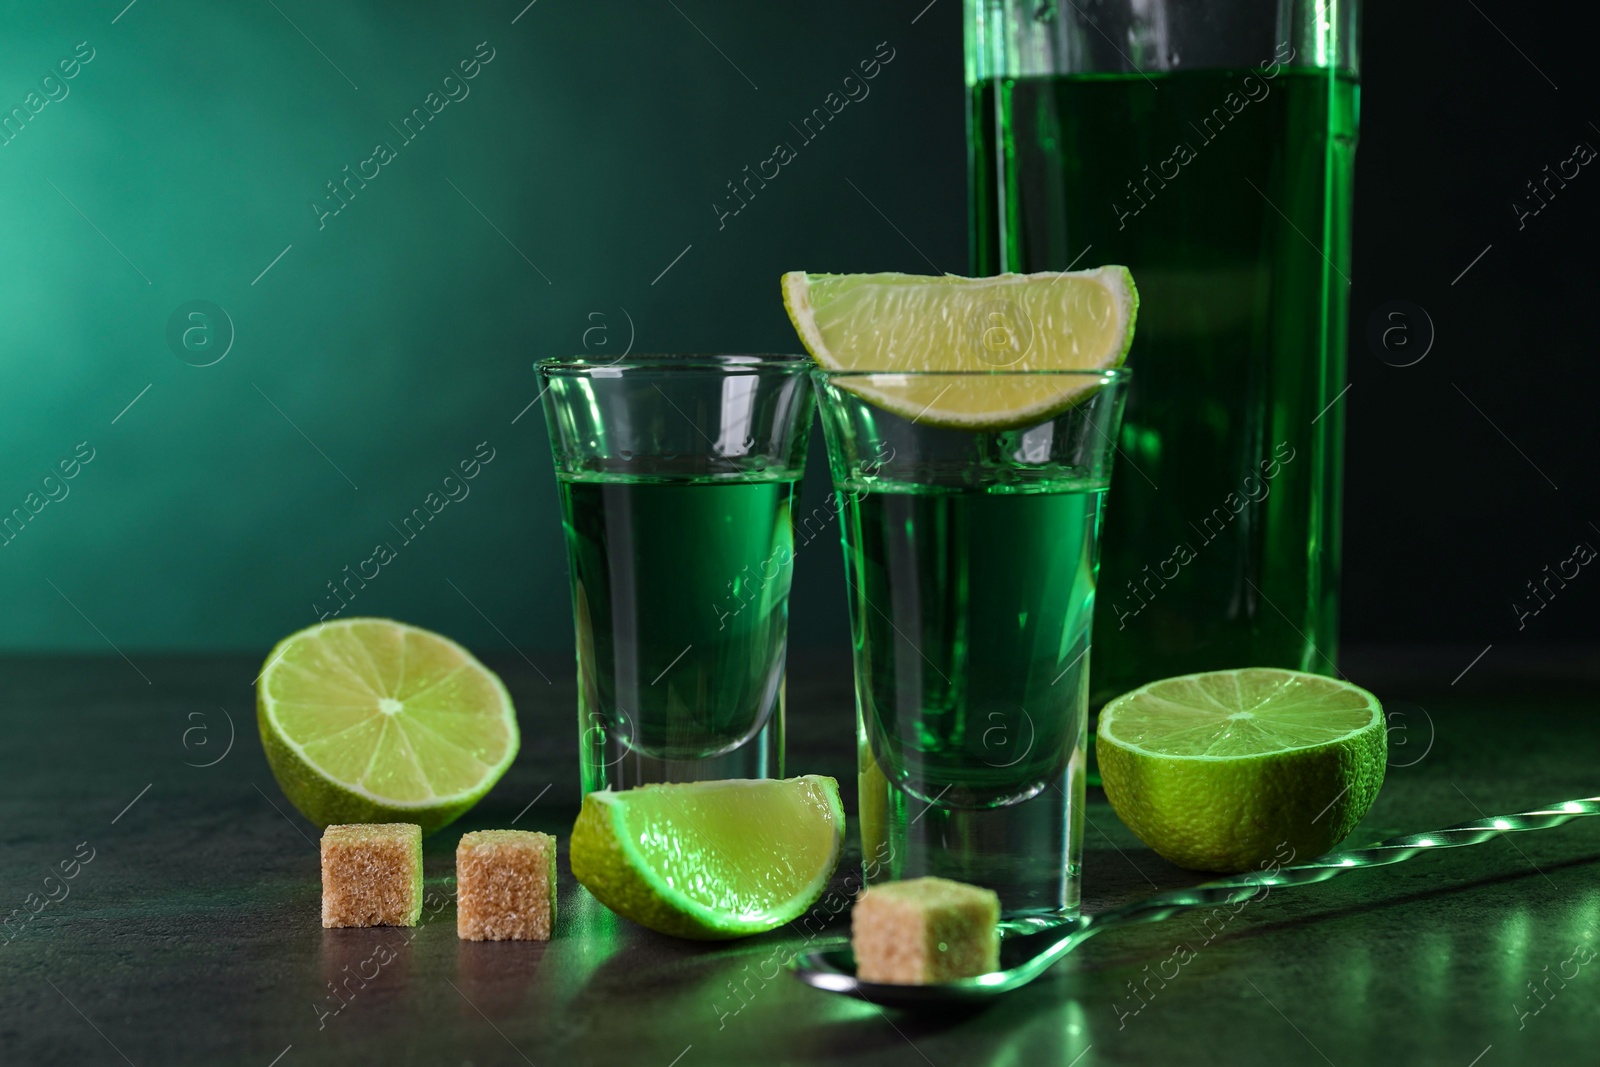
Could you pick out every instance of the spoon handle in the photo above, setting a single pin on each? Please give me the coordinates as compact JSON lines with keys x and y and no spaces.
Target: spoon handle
{"x":1240,"y":887}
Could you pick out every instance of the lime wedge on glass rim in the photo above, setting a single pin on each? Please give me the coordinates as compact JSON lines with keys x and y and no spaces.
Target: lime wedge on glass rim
{"x":1230,"y":770}
{"x":978,"y":331}
{"x":710,"y":860}
{"x":370,"y":720}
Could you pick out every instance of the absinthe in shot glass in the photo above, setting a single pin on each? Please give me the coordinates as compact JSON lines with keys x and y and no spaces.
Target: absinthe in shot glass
{"x":972,"y":609}
{"x":680,"y":588}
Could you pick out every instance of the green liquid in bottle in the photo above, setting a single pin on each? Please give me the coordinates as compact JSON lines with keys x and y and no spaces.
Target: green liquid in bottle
{"x":1227,"y":194}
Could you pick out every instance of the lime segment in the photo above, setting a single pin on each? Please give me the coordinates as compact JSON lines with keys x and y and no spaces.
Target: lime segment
{"x":368,"y":720}
{"x":1228,"y":770}
{"x":895,"y":324}
{"x":709,"y":860}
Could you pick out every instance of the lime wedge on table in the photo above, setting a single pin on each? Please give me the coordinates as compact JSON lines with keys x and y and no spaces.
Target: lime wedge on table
{"x":1229,"y":770}
{"x":894,"y":323}
{"x":710,"y":860}
{"x":368,"y":720}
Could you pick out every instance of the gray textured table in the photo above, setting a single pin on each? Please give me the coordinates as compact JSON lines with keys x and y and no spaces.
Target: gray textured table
{"x":191,"y":933}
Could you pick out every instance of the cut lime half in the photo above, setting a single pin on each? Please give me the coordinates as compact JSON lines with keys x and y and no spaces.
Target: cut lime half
{"x":710,"y":860}
{"x":1230,"y":770}
{"x":369,"y":720}
{"x":951,"y":351}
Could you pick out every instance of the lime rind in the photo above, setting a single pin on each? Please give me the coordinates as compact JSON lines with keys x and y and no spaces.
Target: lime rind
{"x":299,"y":762}
{"x":608,"y":861}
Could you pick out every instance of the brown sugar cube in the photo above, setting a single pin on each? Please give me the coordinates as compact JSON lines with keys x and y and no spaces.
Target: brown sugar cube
{"x":925,"y":930}
{"x":505,"y":886}
{"x":372,"y":874}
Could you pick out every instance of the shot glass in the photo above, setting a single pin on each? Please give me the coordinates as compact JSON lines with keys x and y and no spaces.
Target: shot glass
{"x":677,"y":476}
{"x":971,"y":558}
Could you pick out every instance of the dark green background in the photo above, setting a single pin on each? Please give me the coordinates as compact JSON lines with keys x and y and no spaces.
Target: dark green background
{"x":401,"y":334}
{"x":594,"y":144}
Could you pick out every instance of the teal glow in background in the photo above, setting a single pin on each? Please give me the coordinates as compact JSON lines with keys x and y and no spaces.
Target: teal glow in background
{"x":579,"y":182}
{"x":572,"y":194}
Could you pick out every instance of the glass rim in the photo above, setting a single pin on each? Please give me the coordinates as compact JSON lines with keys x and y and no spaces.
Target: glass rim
{"x":1105,"y":374}
{"x":672,"y":361}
